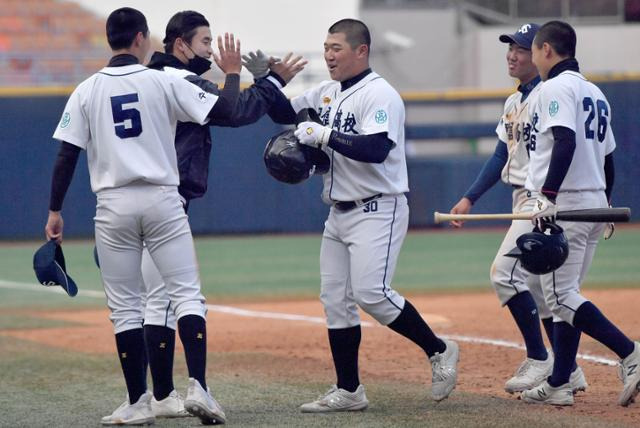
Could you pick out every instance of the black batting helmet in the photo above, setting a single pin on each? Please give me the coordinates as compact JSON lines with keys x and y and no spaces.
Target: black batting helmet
{"x":541,"y":253}
{"x":291,"y":162}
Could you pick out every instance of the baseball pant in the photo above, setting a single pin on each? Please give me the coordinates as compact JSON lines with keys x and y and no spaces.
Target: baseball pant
{"x":127,"y":216}
{"x":157,"y":304}
{"x":507,"y":275}
{"x":358,"y":257}
{"x":562,"y":287}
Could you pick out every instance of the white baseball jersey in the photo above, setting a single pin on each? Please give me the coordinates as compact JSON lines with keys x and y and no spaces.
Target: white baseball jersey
{"x":571,"y":101}
{"x":514,"y":129}
{"x":125,"y":117}
{"x":370,"y":106}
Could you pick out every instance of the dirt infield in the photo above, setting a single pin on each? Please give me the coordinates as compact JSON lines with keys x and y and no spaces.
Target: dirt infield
{"x":383,"y":355}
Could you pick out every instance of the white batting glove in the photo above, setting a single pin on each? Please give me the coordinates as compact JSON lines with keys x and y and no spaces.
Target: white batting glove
{"x":608,"y":230}
{"x":313,"y":134}
{"x":257,"y":63}
{"x":544,"y":211}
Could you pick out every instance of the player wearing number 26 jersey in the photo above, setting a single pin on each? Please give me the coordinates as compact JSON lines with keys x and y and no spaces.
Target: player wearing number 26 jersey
{"x":572,"y":167}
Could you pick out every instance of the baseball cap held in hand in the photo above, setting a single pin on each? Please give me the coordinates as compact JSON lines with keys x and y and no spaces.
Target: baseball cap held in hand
{"x":48,"y":263}
{"x":523,"y":37}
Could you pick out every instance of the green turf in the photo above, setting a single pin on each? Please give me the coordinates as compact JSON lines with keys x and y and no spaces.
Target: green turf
{"x":44,"y":387}
{"x":258,"y":267}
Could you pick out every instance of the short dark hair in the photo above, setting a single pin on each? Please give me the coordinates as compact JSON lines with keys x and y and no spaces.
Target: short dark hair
{"x":356,"y":32}
{"x":123,"y":25}
{"x":560,"y":35}
{"x":183,"y":24}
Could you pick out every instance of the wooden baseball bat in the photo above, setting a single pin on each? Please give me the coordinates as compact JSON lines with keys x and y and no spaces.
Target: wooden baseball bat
{"x":595,"y":215}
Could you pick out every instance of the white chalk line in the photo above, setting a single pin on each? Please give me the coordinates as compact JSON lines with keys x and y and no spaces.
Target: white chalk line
{"x":303,"y":318}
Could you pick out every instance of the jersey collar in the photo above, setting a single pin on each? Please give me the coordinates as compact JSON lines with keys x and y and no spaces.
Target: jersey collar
{"x":526,"y":88}
{"x":122,"y":60}
{"x":346,"y":84}
{"x":569,"y":64}
{"x":159,"y":60}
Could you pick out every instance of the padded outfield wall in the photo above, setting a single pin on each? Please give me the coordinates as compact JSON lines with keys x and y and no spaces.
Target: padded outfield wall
{"x":242,"y":198}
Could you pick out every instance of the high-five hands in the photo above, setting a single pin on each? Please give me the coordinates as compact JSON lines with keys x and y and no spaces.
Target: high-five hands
{"x":229,"y":59}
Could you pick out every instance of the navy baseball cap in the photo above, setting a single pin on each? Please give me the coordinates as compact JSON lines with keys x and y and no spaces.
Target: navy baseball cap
{"x":523,"y":37}
{"x":48,"y":263}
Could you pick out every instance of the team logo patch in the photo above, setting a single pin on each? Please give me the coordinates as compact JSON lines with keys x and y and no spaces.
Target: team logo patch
{"x":524,"y":29}
{"x":381,"y":116}
{"x":202,"y":97}
{"x":326,"y":100}
{"x":553,"y":108}
{"x":66,"y":119}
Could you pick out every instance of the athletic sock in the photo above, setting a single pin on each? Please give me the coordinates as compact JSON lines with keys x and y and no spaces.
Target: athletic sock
{"x":525,"y":312}
{"x":345,"y":343}
{"x":131,"y":352}
{"x":590,"y":320}
{"x":566,"y":339}
{"x":411,"y":325}
{"x":193,"y":334}
{"x":160,"y":342}
{"x":548,"y":327}
{"x":547,"y":323}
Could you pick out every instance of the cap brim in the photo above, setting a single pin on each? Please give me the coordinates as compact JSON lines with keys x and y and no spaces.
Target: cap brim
{"x":510,"y":38}
{"x":65,"y":281}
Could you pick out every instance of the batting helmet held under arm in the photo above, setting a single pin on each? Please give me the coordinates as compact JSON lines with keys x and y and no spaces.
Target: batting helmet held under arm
{"x":291,"y":162}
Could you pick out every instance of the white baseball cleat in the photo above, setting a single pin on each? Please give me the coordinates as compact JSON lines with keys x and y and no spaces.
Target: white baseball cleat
{"x":170,"y":407}
{"x":444,"y":371}
{"x":547,"y":394}
{"x":138,"y":413}
{"x":629,"y":374}
{"x":200,"y":403}
{"x":578,"y":381}
{"x":338,"y":400}
{"x":530,"y":374}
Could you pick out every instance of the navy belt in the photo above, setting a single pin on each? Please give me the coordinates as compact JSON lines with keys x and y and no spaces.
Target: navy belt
{"x":349,"y":205}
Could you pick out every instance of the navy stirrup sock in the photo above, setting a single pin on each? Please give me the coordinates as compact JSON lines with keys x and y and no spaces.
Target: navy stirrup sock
{"x":548,"y":327}
{"x":345,"y":343}
{"x":525,"y":312}
{"x":565,"y":347}
{"x":590,"y":320}
{"x":160,"y":343}
{"x":132,"y":355}
{"x":411,"y":325}
{"x":193,"y":334}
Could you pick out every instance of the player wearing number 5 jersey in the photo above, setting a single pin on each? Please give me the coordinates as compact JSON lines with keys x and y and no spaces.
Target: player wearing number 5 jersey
{"x":125,"y":117}
{"x":572,"y":167}
{"x":362,"y":131}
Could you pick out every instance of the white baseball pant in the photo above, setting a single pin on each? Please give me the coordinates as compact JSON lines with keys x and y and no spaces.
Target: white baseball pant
{"x":358,"y":257}
{"x":127,"y":216}
{"x":507,"y":275}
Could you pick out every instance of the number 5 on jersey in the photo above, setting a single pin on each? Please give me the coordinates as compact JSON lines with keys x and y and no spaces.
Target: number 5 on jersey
{"x":121,"y":115}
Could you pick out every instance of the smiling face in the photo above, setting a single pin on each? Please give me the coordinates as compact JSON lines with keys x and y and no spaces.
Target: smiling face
{"x":344,"y":62}
{"x":519,"y":63}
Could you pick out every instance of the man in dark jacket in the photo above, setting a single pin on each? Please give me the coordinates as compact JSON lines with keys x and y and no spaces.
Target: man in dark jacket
{"x":187,"y":46}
